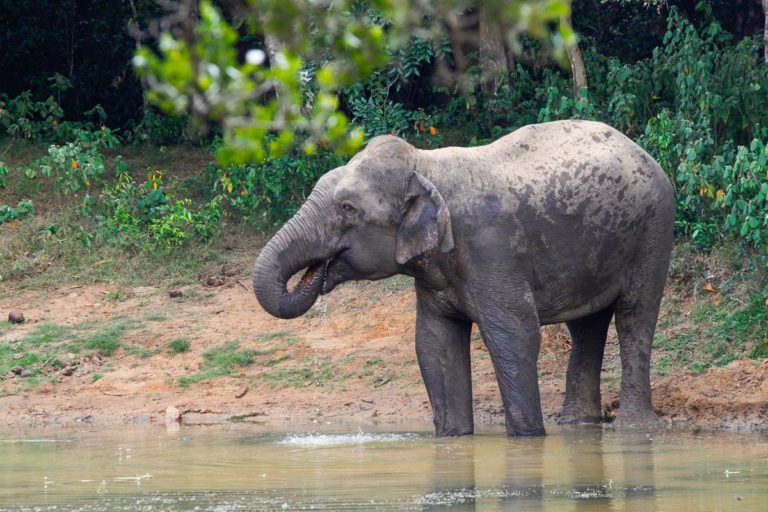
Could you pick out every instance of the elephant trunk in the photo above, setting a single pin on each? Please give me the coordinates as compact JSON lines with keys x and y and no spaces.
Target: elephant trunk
{"x":299,"y":244}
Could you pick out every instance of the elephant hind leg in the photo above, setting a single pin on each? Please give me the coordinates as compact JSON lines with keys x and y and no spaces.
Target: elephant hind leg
{"x":637,"y":310}
{"x":582,"y":389}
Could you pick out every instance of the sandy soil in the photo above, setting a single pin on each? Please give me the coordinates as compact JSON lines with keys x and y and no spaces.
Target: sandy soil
{"x":350,"y":359}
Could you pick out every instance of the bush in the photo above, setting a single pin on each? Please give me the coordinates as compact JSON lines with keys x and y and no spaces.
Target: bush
{"x":178,"y":346}
{"x":145,"y":216}
{"x":268,"y":194}
{"x":159,"y":129}
{"x":76,"y":165}
{"x":22,"y":209}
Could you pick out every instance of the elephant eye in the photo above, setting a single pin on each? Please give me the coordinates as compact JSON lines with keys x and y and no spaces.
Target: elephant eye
{"x":347,"y":207}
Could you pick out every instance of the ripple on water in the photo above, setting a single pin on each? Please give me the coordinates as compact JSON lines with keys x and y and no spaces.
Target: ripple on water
{"x":316,"y":439}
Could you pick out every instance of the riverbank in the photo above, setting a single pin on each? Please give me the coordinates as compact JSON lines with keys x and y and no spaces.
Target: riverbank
{"x":206,"y":353}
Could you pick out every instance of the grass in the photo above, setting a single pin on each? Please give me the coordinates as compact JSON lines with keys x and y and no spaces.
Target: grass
{"x":106,"y":341}
{"x":286,"y":337}
{"x":48,"y":332}
{"x":142,"y":352}
{"x":118,"y":295}
{"x":309,"y":371}
{"x":52,"y":250}
{"x":178,"y":346}
{"x":43,"y":350}
{"x":5,"y":325}
{"x":397,"y":283}
{"x":701,"y":329}
{"x":220,"y":361}
{"x":713,"y":334}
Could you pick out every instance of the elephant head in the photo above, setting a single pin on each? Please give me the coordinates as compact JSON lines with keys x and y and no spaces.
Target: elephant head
{"x":365,"y":220}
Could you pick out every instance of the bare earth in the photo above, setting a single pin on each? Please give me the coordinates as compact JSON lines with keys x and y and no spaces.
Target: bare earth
{"x":351,"y":359}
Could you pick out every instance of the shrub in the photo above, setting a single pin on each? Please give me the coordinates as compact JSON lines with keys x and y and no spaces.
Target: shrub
{"x":145,"y":216}
{"x":22,"y":209}
{"x":268,"y":194}
{"x":178,"y":346}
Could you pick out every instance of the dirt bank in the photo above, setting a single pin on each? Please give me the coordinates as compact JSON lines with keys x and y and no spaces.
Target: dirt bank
{"x":351,"y":358}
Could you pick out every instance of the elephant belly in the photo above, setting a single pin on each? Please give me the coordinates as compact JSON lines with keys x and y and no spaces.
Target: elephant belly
{"x":580,"y":305}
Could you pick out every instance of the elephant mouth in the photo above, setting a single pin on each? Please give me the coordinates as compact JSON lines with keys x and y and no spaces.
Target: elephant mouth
{"x":319,"y":275}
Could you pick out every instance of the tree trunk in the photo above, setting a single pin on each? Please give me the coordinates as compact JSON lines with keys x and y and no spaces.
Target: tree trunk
{"x":765,"y":30}
{"x":577,"y":66}
{"x":495,"y":58}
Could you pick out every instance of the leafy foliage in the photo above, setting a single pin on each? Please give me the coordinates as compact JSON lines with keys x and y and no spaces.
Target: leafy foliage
{"x":268,"y":194}
{"x":197,"y":69}
{"x":22,"y":209}
{"x":144,"y":215}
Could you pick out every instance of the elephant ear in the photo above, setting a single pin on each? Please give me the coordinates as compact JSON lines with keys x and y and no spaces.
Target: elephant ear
{"x":426,"y":223}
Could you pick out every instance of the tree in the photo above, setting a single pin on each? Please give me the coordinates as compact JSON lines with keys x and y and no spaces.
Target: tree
{"x":579,"y":71}
{"x":496,"y":58}
{"x":765,"y":31}
{"x":323,"y":45}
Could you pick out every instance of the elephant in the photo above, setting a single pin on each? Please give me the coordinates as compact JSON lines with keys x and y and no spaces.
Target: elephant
{"x":566,"y":221}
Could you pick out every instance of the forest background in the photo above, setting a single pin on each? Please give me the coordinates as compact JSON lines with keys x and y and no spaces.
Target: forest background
{"x":118,"y":153}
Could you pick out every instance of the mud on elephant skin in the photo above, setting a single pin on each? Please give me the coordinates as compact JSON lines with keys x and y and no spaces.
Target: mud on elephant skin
{"x":568,"y":221}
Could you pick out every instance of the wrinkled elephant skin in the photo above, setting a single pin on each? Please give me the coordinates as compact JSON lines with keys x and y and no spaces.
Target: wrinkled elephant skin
{"x":568,"y":221}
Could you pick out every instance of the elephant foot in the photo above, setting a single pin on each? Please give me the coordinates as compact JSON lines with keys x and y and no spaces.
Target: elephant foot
{"x":637,"y":419}
{"x":450,"y":429}
{"x":578,"y":419}
{"x":454,"y":432}
{"x":575,"y":415}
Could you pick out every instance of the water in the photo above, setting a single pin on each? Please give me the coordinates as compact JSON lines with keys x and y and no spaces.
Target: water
{"x":250,"y":468}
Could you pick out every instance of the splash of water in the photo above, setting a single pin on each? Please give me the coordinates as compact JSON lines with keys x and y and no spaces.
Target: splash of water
{"x":360,"y":437}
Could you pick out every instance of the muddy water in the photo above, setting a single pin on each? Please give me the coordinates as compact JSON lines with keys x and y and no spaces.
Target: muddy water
{"x":249,"y":468}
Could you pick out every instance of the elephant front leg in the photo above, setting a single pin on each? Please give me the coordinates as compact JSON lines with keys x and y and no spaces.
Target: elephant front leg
{"x":513,"y":340}
{"x":442,"y":348}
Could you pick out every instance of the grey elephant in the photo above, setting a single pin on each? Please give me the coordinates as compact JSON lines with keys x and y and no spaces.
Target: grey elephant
{"x":568,"y":221}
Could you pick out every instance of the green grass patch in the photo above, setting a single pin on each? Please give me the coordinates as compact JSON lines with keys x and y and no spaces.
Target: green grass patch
{"x":5,"y":325}
{"x":106,"y":341}
{"x":142,"y":352}
{"x":48,"y":333}
{"x":397,"y":283}
{"x":286,"y":337}
{"x":156,"y":317}
{"x":219,"y":361}
{"x":117,"y":295}
{"x":228,"y":356}
{"x":178,"y":346}
{"x":212,"y":373}
{"x":55,"y":249}
{"x":309,"y":371}
{"x":43,"y":349}
{"x":713,"y":334}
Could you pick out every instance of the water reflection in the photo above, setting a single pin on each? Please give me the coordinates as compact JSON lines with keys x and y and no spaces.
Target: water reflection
{"x":572,"y":469}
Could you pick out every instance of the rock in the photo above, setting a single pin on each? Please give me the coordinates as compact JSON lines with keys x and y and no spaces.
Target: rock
{"x":175,"y":294}
{"x":228,"y":271}
{"x":16,"y":317}
{"x":172,"y":415}
{"x":26,"y":373}
{"x":367,"y":400}
{"x":215,"y":281}
{"x":18,"y":356}
{"x":68,"y":371}
{"x":242,"y":391}
{"x":16,"y":370}
{"x":72,"y":295}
